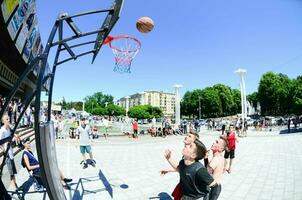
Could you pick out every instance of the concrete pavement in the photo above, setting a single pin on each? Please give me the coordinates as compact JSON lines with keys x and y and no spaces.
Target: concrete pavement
{"x":267,"y":166}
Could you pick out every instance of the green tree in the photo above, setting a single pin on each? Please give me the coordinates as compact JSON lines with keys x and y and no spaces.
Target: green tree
{"x":139,"y":112}
{"x":190,"y":103}
{"x":185,"y":104}
{"x":236,"y":108}
{"x":114,"y":110}
{"x":285,"y":97}
{"x":98,"y":111}
{"x":275,"y":94}
{"x":154,"y":111}
{"x":96,"y":100}
{"x":145,"y":112}
{"x":216,"y":101}
{"x":297,"y":96}
{"x":63,"y":104}
{"x":78,"y":105}
{"x":210,"y":101}
{"x":226,"y":98}
{"x":269,"y":84}
{"x":253,"y":99}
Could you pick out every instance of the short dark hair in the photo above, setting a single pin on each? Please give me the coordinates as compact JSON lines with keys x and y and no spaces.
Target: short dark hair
{"x":26,"y":140}
{"x":201,"y":150}
{"x":225,"y":142}
{"x":193,"y":132}
{"x":82,"y":119}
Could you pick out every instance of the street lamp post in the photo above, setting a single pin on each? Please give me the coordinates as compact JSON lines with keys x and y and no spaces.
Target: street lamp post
{"x":242,"y":73}
{"x":127,"y":104}
{"x":177,"y":104}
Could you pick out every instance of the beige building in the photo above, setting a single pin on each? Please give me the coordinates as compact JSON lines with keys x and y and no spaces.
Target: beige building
{"x":163,"y":100}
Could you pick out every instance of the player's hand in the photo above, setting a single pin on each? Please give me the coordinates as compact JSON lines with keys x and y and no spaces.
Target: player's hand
{"x":91,"y":143}
{"x":167,"y":154}
{"x":163,"y":172}
{"x":17,"y":138}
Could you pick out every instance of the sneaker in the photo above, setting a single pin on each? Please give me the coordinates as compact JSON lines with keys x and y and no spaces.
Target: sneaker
{"x":39,"y":188}
{"x":85,"y":166}
{"x":93,"y":163}
{"x":20,"y":189}
{"x":67,"y":180}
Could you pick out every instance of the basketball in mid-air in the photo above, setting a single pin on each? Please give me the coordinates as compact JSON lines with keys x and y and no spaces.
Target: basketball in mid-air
{"x":144,"y":24}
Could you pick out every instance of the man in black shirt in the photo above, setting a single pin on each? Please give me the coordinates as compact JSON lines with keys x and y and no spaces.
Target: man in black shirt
{"x":194,"y":177}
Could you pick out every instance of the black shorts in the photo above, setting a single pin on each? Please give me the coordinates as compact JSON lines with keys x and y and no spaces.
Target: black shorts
{"x":215,"y":192}
{"x":229,"y":154}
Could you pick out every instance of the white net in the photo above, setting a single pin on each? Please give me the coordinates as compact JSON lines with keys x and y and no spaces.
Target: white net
{"x":124,"y":50}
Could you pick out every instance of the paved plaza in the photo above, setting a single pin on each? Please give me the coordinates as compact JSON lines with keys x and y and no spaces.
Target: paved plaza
{"x":267,"y":166}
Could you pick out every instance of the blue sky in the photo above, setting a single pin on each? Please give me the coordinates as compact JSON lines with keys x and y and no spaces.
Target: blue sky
{"x":196,"y":43}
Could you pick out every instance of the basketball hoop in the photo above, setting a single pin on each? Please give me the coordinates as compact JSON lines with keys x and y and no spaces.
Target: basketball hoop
{"x":124,"y":49}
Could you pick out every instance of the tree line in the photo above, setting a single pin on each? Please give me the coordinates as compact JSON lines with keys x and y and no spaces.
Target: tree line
{"x":102,"y":104}
{"x":277,"y":95}
{"x":217,"y":101}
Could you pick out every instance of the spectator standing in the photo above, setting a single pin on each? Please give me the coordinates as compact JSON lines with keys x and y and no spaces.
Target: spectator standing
{"x":10,"y":112}
{"x":153,"y":122}
{"x":5,"y":132}
{"x":14,"y":112}
{"x":135,"y":128}
{"x":106,"y":127}
{"x":184,"y":124}
{"x":230,"y":152}
{"x":85,"y":143}
{"x":223,"y":129}
{"x":288,"y":125}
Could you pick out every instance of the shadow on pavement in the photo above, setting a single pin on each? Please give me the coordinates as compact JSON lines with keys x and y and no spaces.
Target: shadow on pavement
{"x":162,"y":196}
{"x":292,"y":130}
{"x":106,"y":183}
{"x":24,"y":190}
{"x":82,"y":190}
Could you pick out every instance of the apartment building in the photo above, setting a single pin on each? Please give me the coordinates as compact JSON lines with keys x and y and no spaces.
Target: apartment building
{"x":163,"y":100}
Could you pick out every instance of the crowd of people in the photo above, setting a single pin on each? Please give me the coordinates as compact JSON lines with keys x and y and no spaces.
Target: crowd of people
{"x":14,"y":110}
{"x":197,"y":180}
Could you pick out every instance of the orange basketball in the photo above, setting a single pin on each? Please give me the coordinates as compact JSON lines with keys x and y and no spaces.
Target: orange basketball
{"x":144,"y":24}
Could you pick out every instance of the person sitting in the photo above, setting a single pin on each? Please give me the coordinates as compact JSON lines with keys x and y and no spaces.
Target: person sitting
{"x":152,"y":131}
{"x":94,"y":133}
{"x":30,"y":162}
{"x":159,"y":132}
{"x":71,"y":132}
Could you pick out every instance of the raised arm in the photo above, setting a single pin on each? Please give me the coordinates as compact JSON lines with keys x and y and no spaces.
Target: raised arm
{"x":172,"y":162}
